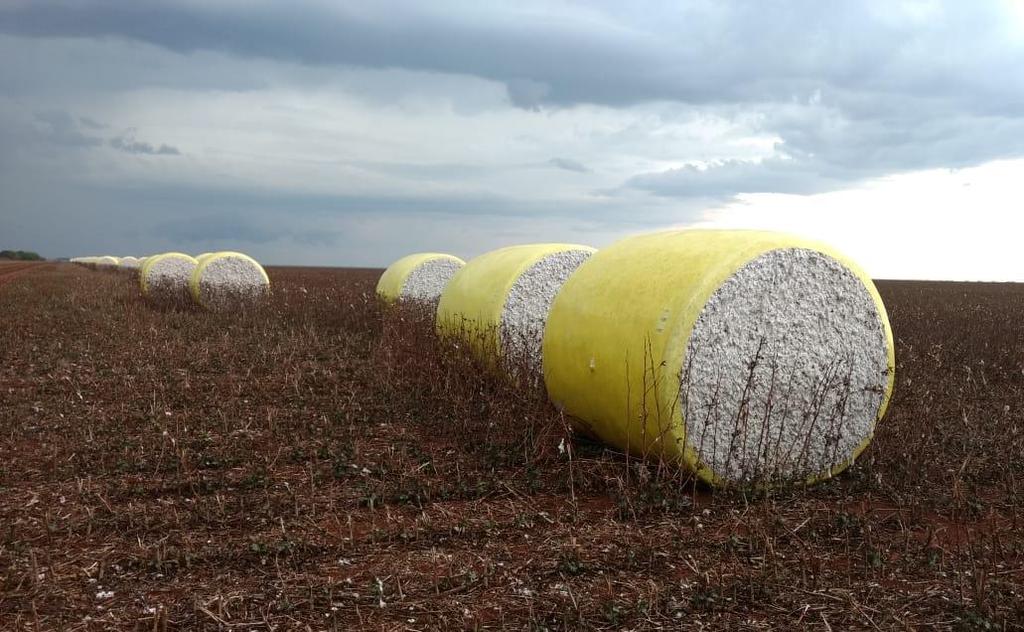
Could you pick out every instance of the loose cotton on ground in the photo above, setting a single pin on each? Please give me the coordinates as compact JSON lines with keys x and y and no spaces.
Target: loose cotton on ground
{"x":500,"y":300}
{"x":166,"y":277}
{"x":420,"y":277}
{"x":228,"y":279}
{"x":751,"y":358}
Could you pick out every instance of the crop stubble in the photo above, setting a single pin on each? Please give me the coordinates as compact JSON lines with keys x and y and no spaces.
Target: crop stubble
{"x":318,"y":462}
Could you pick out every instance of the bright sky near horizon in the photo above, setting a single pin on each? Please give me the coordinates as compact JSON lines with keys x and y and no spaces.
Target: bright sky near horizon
{"x":345,"y":133}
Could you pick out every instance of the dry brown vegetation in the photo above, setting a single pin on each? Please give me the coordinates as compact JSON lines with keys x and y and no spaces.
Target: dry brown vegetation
{"x":320,"y":464}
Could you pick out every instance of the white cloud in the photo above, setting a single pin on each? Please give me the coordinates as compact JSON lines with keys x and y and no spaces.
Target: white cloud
{"x":938,"y":224}
{"x":351,"y":135}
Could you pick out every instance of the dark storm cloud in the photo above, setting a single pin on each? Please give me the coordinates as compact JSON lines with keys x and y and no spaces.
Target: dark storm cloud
{"x":851,"y":89}
{"x":126,"y":142}
{"x":531,"y":53}
{"x":822,"y":150}
{"x":60,"y":128}
{"x":723,"y":179}
{"x":693,"y":52}
{"x":91,"y":124}
{"x":568,"y":164}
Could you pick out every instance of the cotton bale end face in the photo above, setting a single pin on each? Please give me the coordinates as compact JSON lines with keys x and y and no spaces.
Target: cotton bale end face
{"x":107,"y":262}
{"x":165,"y":277}
{"x":751,"y":358}
{"x":227,"y":280}
{"x":419,"y":277}
{"x":499,"y":302}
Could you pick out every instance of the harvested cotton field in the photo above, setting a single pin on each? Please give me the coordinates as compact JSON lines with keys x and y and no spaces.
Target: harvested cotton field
{"x":303,"y":463}
{"x":166,"y":277}
{"x":420,"y":277}
{"x":228,"y":280}
{"x":499,"y":301}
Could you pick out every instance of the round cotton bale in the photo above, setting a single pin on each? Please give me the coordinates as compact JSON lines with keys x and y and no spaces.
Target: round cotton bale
{"x":130,"y":264}
{"x":228,"y":279}
{"x":499,"y":302}
{"x":166,"y":277}
{"x":751,"y":358}
{"x":203,"y":257}
{"x":107,"y":262}
{"x":421,"y":277}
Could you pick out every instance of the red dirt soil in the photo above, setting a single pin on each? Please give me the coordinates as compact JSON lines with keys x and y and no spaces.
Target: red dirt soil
{"x":10,"y":270}
{"x":319,"y":463}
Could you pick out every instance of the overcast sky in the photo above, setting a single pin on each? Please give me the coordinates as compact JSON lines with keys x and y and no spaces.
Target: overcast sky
{"x":341,"y":133}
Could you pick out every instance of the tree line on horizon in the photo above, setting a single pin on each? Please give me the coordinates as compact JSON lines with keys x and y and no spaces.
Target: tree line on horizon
{"x":20,"y":255}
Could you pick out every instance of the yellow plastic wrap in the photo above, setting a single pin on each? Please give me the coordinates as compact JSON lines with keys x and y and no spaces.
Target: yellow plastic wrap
{"x":205,"y":259}
{"x":472,"y":303}
{"x":145,"y":267}
{"x":622,"y":323}
{"x":389,"y":287}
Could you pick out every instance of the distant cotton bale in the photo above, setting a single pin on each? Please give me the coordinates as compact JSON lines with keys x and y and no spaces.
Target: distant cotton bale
{"x":166,"y":277}
{"x":226,"y":280}
{"x":420,"y":277}
{"x":107,"y":262}
{"x":500,"y":300}
{"x":130,"y":264}
{"x":748,"y":357}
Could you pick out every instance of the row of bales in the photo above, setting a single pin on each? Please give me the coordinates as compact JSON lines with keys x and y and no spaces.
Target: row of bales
{"x":213,"y":280}
{"x":748,"y":358}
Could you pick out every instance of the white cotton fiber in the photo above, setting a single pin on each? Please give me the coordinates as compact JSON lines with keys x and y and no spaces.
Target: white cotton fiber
{"x":427,"y":280}
{"x":526,"y":308}
{"x":166,"y":277}
{"x":786,"y":368}
{"x":228,"y":279}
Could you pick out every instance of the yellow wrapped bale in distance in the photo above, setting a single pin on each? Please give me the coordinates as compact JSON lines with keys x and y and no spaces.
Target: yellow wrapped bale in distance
{"x":751,"y":358}
{"x":107,"y":262}
{"x":166,"y":277}
{"x":129,"y":264}
{"x":420,"y":277}
{"x":500,"y":300}
{"x":226,"y":280}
